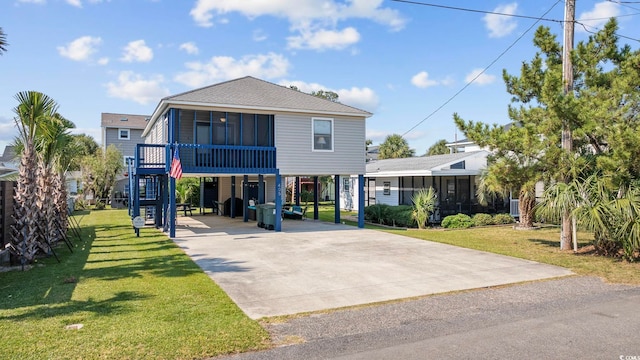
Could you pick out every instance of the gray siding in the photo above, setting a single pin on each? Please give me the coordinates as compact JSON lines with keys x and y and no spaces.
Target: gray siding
{"x":394,"y":196}
{"x":295,"y":156}
{"x":127,"y":147}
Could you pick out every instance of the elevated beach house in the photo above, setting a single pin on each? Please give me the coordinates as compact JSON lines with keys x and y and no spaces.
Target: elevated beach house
{"x":241,"y":138}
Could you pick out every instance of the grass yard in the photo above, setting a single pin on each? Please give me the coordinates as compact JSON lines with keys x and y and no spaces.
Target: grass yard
{"x":136,"y":298}
{"x":542,"y":245}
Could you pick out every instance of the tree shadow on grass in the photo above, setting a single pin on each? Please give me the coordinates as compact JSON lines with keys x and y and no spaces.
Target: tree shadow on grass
{"x":556,"y":243}
{"x":116,"y":304}
{"x":120,"y":255}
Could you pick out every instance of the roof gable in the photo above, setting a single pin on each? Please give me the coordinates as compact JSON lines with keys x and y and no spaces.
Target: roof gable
{"x":249,"y":92}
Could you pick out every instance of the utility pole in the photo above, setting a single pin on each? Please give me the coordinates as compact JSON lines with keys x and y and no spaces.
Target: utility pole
{"x":567,"y":78}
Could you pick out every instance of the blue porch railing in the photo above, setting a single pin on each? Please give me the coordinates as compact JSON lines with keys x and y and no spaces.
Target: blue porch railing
{"x":214,"y":159}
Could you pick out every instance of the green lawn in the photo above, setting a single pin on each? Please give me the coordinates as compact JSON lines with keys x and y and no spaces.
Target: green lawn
{"x":542,"y":245}
{"x":136,"y":297}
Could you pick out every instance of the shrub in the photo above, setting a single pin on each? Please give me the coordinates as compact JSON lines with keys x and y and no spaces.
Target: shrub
{"x":100,"y":205}
{"x":482,"y":219}
{"x":376,"y":213}
{"x":500,"y":219}
{"x":400,"y":216}
{"x":459,"y":221}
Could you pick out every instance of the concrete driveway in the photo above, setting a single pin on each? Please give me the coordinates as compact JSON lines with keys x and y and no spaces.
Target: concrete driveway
{"x":313,"y":265}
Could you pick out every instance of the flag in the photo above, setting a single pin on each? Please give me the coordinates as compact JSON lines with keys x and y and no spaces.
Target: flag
{"x":176,"y":166}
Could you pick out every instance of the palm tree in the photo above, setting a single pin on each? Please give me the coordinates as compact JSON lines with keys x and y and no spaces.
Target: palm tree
{"x":424,"y":204}
{"x":3,"y":41}
{"x":439,"y":148}
{"x":54,"y":138}
{"x":33,"y":108}
{"x":394,"y":147}
{"x":613,"y":215}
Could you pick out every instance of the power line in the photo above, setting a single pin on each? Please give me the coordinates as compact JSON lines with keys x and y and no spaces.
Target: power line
{"x":478,"y":11}
{"x":483,"y":70}
{"x":585,"y":26}
{"x":511,"y":15}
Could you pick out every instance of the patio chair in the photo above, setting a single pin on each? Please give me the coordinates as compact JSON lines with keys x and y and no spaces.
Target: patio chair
{"x":295,"y":212}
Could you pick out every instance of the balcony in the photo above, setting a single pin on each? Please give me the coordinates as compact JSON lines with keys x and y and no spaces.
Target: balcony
{"x":207,"y":159}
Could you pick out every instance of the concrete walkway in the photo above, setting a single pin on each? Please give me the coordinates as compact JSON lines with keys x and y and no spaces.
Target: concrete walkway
{"x":312,"y":265}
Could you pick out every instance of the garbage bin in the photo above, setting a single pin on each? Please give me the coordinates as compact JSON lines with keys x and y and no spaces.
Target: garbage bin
{"x":259,"y":217}
{"x":269,"y":216}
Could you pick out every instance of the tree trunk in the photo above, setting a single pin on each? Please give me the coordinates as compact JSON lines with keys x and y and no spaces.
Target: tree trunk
{"x":566,"y":232}
{"x":526,"y":204}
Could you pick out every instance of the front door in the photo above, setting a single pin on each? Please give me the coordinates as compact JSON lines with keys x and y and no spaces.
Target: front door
{"x":203,"y":137}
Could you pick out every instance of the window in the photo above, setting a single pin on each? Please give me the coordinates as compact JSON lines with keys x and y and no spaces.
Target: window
{"x":322,"y":134}
{"x":386,"y":188}
{"x":345,"y":184}
{"x":123,"y":134}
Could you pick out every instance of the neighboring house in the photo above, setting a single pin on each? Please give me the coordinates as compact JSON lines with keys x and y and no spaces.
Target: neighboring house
{"x":453,"y":176}
{"x":73,"y":181}
{"x":464,"y":145}
{"x":372,"y":152}
{"x":124,"y":131}
{"x":9,"y":158}
{"x":241,"y":138}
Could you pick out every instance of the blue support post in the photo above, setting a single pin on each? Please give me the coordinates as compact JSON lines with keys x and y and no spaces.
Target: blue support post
{"x":233,"y":197}
{"x":245,"y":198}
{"x":361,"y":201}
{"x":336,"y":182}
{"x":278,"y":225}
{"x":316,"y":198}
{"x":172,"y":207}
{"x":136,"y":194}
{"x":165,"y":203}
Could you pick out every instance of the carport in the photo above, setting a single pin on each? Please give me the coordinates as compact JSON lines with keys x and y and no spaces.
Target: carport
{"x":313,"y":265}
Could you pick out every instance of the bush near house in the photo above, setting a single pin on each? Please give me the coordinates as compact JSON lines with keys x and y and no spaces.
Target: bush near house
{"x":482,"y":219}
{"x":501,"y":219}
{"x":390,"y":215}
{"x":458,"y":221}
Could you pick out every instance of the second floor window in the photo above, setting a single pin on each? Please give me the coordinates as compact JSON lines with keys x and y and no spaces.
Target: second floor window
{"x":322,"y":134}
{"x":123,"y":134}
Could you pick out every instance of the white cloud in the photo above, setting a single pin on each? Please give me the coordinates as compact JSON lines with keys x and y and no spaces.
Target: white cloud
{"x":33,"y":1}
{"x":480,"y":79}
{"x":221,"y":68}
{"x":324,"y":39}
{"x":190,"y":47}
{"x":422,"y":80}
{"x":297,"y":11}
{"x":103,"y":61}
{"x":361,"y":98}
{"x":76,"y":3}
{"x":95,"y":133}
{"x":137,"y":51}
{"x":501,"y":25}
{"x":131,"y":86}
{"x":601,"y":13}
{"x":8,"y":130}
{"x":313,"y":23}
{"x":81,"y":48}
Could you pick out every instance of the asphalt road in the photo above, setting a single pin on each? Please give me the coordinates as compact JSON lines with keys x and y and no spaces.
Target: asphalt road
{"x":567,"y":318}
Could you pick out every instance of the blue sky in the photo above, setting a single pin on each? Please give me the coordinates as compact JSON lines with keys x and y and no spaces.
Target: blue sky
{"x":397,"y":60}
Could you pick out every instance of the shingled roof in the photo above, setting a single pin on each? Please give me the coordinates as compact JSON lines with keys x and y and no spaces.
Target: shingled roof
{"x":418,"y":164}
{"x":124,"y":121}
{"x":249,"y":92}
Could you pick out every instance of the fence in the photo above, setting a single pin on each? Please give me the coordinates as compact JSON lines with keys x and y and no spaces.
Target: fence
{"x":6,"y":216}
